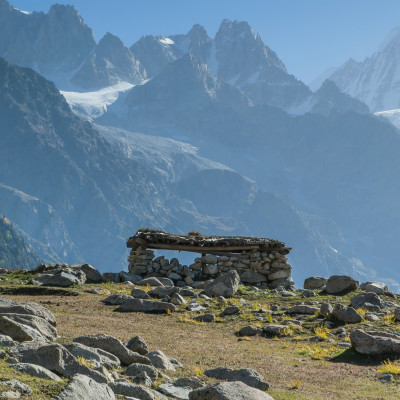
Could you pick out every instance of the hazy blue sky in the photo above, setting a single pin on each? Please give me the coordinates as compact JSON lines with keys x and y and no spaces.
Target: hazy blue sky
{"x":309,"y":36}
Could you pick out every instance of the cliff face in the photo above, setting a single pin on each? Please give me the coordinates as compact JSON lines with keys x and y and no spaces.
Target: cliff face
{"x":15,"y":253}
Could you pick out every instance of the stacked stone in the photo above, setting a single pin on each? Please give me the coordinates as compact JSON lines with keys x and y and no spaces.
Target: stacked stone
{"x":254,"y":267}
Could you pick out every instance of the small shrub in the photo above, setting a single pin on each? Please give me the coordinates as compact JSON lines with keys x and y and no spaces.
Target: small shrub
{"x":389,"y":367}
{"x":295,"y":385}
{"x":389,"y":319}
{"x":89,"y":364}
{"x":198,"y":371}
{"x":322,"y":332}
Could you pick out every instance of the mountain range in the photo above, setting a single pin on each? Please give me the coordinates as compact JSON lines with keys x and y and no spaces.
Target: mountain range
{"x":187,"y":133}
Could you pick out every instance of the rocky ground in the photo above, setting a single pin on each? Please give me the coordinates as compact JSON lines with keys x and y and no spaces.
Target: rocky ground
{"x":151,"y":340}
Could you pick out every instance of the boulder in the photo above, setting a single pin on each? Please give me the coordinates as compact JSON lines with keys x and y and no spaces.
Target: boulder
{"x":113,"y":346}
{"x":92,"y":274}
{"x":128,"y":277}
{"x":7,"y":341}
{"x":285,"y":282}
{"x":225,"y":285}
{"x":205,"y":318}
{"x":165,"y":281}
{"x":18,"y":385}
{"x":111,"y":277}
{"x":116,"y":299}
{"x":246,"y":375}
{"x":162,"y":291}
{"x":346,"y":314}
{"x":228,"y":391}
{"x":375,"y":343}
{"x":30,"y":308}
{"x":136,"y":391}
{"x":35,"y":370}
{"x":375,"y":287}
{"x":191,"y":382}
{"x":249,"y":330}
{"x":274,"y":330}
{"x":230,"y":310}
{"x":60,"y":277}
{"x":176,"y":392}
{"x":397,"y":314}
{"x":341,"y":284}
{"x":136,"y":369}
{"x":152,"y":281}
{"x":302,"y":309}
{"x":23,"y":327}
{"x":162,"y":361}
{"x":252,"y":277}
{"x":177,"y":299}
{"x":146,"y":306}
{"x":55,"y":358}
{"x":138,"y":345}
{"x":103,"y":357}
{"x":138,"y":294}
{"x":359,"y":300}
{"x":82,"y":387}
{"x":314,"y":282}
{"x":325,"y":309}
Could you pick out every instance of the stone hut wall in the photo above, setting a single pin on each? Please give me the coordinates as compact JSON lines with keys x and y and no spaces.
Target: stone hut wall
{"x":254,"y":267}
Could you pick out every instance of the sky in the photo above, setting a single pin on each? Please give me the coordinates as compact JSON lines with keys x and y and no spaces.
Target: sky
{"x":309,"y":36}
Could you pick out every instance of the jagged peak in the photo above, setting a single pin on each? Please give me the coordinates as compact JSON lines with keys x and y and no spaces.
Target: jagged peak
{"x":236,"y":29}
{"x":110,"y":40}
{"x":198,"y":31}
{"x":394,"y":35}
{"x":63,"y":11}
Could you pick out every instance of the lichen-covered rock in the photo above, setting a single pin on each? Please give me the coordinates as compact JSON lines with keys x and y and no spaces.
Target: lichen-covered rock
{"x":60,"y":277}
{"x":146,"y":306}
{"x":138,"y":345}
{"x":35,"y":370}
{"x":314,"y":282}
{"x":359,"y":300}
{"x":346,"y":314}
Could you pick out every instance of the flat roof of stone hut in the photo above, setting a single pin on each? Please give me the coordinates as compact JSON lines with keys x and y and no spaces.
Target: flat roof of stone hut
{"x":197,"y":243}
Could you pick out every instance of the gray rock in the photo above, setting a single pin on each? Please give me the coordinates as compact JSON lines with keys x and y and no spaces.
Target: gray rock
{"x":36,"y":370}
{"x":341,"y":284}
{"x":55,"y":358}
{"x":375,"y":287}
{"x":152,"y":281}
{"x":113,"y":346}
{"x":30,"y":308}
{"x":166,"y":281}
{"x":92,"y":274}
{"x":195,"y":307}
{"x":205,"y":318}
{"x":146,"y":306}
{"x":274,"y":330}
{"x":60,"y":277}
{"x":210,"y":269}
{"x":371,"y":317}
{"x":111,"y":277}
{"x":24,"y":327}
{"x":209,"y":259}
{"x":249,"y":330}
{"x":225,"y":285}
{"x":386,"y":378}
{"x":286,"y":293}
{"x":138,"y":294}
{"x":308,"y":293}
{"x":142,"y":379}
{"x":10,"y":394}
{"x":189,"y":293}
{"x":375,"y":342}
{"x":128,"y":277}
{"x":231,"y":310}
{"x":137,"y":391}
{"x":228,"y":391}
{"x":138,"y":345}
{"x":174,"y":276}
{"x":302,"y":309}
{"x":252,"y":277}
{"x":285,"y":282}
{"x":359,"y":300}
{"x":176,"y":392}
{"x":159,"y":360}
{"x":136,"y":369}
{"x":346,"y":314}
{"x":84,"y":388}
{"x":397,"y":314}
{"x":163,"y":291}
{"x":314,"y":282}
{"x":177,"y":299}
{"x":325,"y":309}
{"x":246,"y":375}
{"x":116,"y":299}
{"x":191,"y":382}
{"x":17,"y":385}
{"x":103,"y":357}
{"x":6,"y":341}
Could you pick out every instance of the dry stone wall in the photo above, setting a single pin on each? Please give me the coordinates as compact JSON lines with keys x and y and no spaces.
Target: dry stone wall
{"x":254,"y":267}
